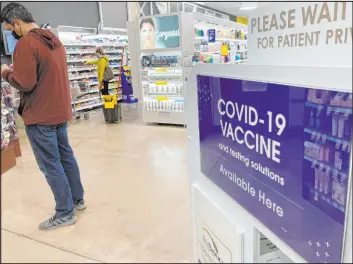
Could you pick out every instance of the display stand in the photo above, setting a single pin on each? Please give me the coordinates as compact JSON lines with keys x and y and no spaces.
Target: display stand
{"x":10,"y":144}
{"x":168,"y":48}
{"x":8,"y":159}
{"x":270,"y":160}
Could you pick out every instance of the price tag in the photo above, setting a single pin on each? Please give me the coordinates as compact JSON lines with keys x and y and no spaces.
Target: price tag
{"x":329,"y":109}
{"x":319,"y":108}
{"x":347,"y":112}
{"x":335,"y":173}
{"x":318,"y":135}
{"x":162,"y":98}
{"x":313,"y":135}
{"x":344,"y":145}
{"x":343,"y":176}
{"x":161,"y":70}
{"x":338,"y":143}
{"x":161,"y":82}
{"x":324,"y":137}
{"x":313,"y":165}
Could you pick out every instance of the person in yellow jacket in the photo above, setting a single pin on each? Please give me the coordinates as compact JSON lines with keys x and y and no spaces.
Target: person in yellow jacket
{"x":102,"y":62}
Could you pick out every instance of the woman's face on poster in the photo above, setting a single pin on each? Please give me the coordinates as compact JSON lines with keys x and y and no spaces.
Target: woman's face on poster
{"x":147,"y":33}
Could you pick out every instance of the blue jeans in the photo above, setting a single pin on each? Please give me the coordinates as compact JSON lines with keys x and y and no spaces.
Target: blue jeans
{"x":56,"y":160}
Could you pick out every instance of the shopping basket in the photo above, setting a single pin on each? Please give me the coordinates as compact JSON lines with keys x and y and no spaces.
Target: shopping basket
{"x":111,"y":109}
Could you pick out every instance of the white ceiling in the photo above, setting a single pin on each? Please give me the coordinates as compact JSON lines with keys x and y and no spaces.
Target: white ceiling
{"x":232,"y":8}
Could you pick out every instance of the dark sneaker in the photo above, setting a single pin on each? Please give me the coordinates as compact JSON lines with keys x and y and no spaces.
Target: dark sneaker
{"x":55,"y":222}
{"x":79,"y":205}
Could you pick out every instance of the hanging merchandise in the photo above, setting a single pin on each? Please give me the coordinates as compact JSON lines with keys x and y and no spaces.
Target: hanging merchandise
{"x":10,"y":146}
{"x":8,"y":116}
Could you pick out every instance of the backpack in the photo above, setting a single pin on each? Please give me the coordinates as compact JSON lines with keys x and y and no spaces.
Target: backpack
{"x":108,"y":73}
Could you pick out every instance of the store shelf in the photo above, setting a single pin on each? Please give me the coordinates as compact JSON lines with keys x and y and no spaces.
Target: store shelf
{"x":333,"y":109}
{"x":221,"y":40}
{"x":81,"y":69}
{"x":162,"y":67}
{"x":112,"y":52}
{"x":113,"y":87}
{"x":112,"y":45}
{"x":81,"y":77}
{"x":167,"y":95}
{"x":89,"y":107}
{"x":79,"y":44}
{"x":78,"y":60}
{"x":85,"y":100}
{"x":328,"y":137}
{"x":110,"y":88}
{"x":328,"y":200}
{"x":326,"y":166}
{"x":159,"y":50}
{"x":168,"y":81}
{"x":93,"y":45}
{"x":80,"y":52}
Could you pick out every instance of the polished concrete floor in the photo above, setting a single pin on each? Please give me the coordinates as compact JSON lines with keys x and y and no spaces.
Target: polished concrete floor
{"x":136,"y":189}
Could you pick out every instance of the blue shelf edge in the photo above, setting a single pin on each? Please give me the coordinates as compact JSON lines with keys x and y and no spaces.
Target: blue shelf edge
{"x":325,"y":166}
{"x":328,"y":137}
{"x":338,"y":109}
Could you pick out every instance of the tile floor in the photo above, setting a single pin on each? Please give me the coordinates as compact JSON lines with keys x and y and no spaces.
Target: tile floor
{"x":136,"y":187}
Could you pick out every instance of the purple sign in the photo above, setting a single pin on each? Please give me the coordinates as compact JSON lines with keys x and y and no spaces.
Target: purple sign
{"x":211,"y":35}
{"x":283,"y":153}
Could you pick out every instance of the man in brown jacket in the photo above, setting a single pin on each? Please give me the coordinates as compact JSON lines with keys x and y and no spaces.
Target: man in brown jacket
{"x":39,"y":72}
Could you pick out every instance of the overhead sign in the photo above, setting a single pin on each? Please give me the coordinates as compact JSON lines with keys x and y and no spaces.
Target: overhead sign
{"x":301,"y":33}
{"x":283,"y":153}
{"x":241,"y":20}
{"x":211,"y":35}
{"x":159,"y":32}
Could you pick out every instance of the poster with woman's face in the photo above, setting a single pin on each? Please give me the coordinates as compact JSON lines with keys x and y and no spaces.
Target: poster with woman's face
{"x":159,"y":32}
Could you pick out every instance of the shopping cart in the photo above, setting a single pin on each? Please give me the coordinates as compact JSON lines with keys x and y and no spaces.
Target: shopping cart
{"x":79,"y":90}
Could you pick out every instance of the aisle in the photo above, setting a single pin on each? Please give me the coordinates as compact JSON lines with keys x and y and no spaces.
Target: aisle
{"x":136,"y":185}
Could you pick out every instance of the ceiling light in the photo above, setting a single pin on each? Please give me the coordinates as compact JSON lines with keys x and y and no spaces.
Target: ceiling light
{"x":247,"y":7}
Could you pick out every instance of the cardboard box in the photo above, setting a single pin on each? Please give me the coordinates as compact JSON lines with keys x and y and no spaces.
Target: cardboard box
{"x":8,"y":159}
{"x":17,"y":148}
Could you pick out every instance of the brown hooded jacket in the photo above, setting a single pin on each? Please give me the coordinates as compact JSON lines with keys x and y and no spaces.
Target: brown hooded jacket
{"x":40,"y":74}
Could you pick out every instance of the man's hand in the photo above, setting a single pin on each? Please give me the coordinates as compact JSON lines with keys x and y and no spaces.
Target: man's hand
{"x":4,"y":67}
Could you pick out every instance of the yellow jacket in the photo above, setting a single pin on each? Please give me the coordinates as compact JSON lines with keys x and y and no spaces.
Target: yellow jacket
{"x":102,"y":63}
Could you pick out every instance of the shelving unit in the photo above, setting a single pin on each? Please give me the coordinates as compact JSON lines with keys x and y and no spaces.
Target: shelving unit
{"x":219,"y":41}
{"x":328,"y":134}
{"x":80,"y":45}
{"x":164,"y":70}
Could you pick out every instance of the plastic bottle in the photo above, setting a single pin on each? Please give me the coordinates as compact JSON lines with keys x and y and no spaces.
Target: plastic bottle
{"x":341,"y":127}
{"x":318,"y":123}
{"x":312,"y":119}
{"x":334,"y":125}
